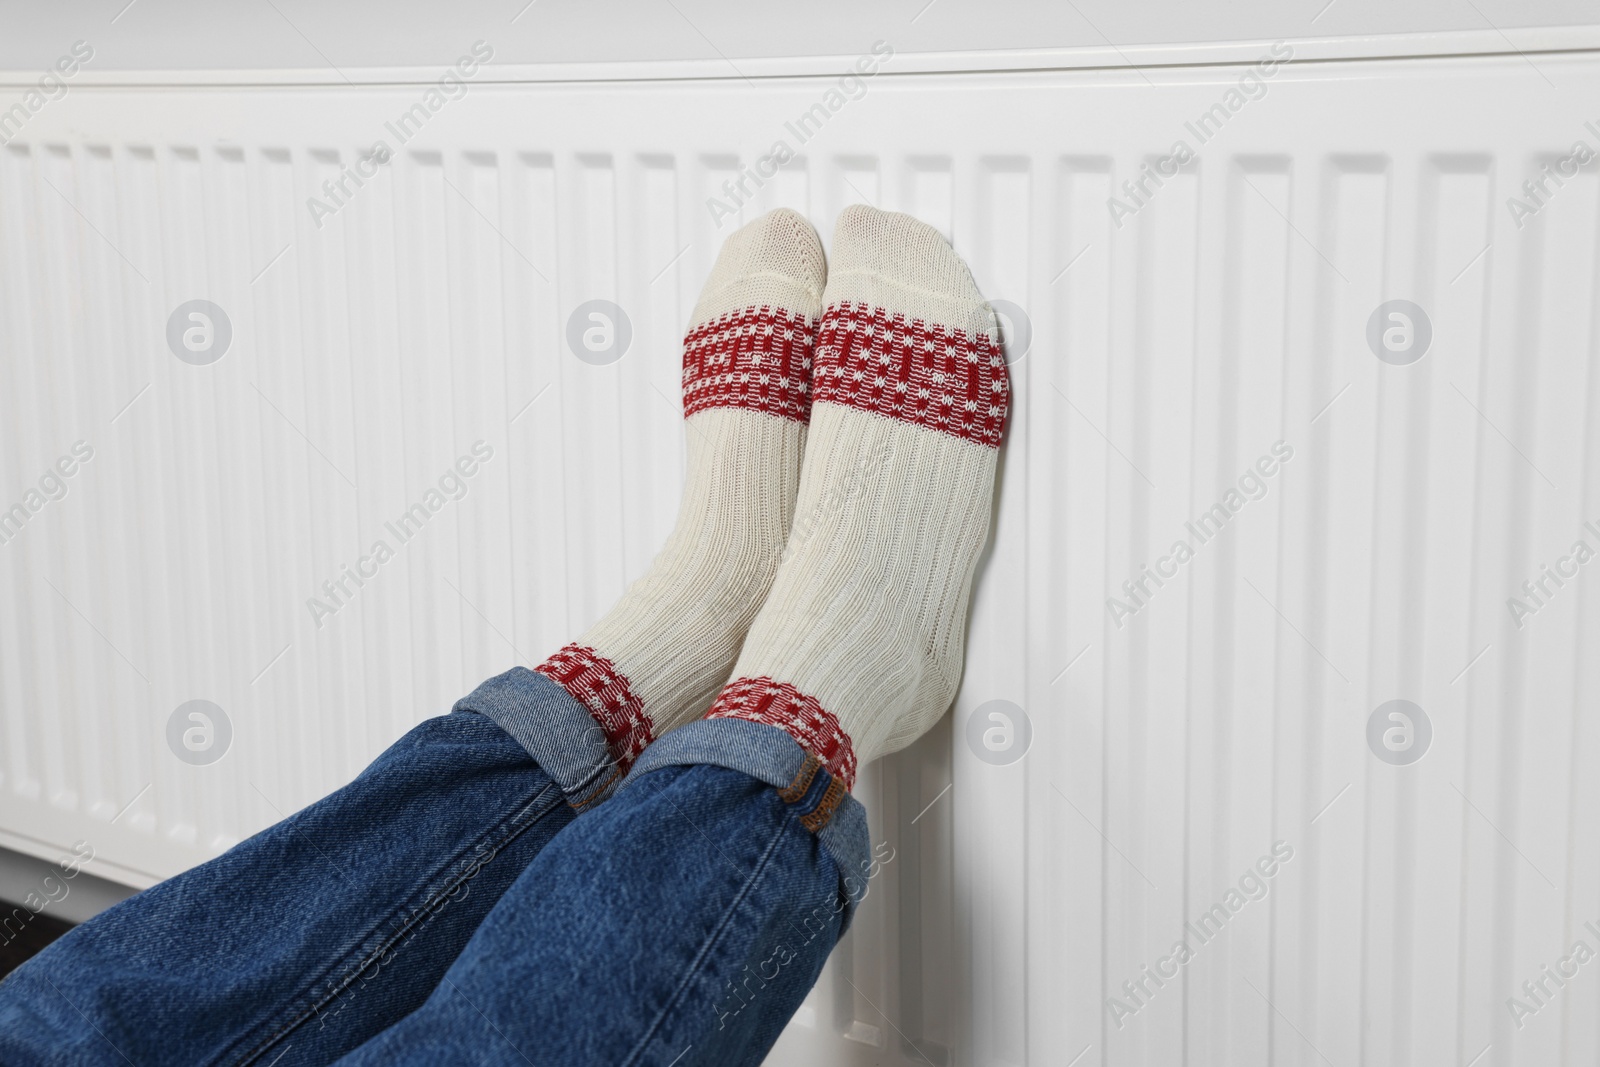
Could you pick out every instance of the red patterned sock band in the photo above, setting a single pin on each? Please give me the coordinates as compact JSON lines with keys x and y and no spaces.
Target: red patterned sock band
{"x":942,"y":377}
{"x":801,"y":717}
{"x":758,"y":359}
{"x":596,"y":683}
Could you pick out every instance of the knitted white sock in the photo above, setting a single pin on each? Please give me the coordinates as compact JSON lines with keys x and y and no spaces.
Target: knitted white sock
{"x":858,"y":648}
{"x":656,"y":660}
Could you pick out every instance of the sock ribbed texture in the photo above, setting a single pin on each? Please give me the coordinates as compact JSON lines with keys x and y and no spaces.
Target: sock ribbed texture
{"x":657,"y":658}
{"x":858,"y":648}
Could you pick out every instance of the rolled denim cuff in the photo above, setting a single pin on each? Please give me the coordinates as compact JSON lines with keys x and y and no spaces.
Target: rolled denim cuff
{"x":558,"y":732}
{"x":770,"y":755}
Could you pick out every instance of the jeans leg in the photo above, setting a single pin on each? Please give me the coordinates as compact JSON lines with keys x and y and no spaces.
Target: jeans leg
{"x":302,"y":942}
{"x":681,"y":923}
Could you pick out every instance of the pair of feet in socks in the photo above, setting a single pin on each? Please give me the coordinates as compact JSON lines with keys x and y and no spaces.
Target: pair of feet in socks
{"x":844,"y":425}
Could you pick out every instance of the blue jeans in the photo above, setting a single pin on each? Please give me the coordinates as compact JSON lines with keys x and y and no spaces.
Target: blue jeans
{"x":469,"y":899}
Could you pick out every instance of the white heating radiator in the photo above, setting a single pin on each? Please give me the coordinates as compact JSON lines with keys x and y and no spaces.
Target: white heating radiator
{"x":1177,"y":735}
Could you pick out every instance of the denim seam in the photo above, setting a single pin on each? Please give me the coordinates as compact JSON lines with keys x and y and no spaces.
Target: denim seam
{"x":507,"y":831}
{"x":591,"y":788}
{"x":583,"y":797}
{"x":542,"y":716}
{"x":711,"y":940}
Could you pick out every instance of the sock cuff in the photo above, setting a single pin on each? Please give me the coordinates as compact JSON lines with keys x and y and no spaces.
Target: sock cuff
{"x":594,"y":681}
{"x":940,"y":377}
{"x":802,"y":717}
{"x":756,"y":358}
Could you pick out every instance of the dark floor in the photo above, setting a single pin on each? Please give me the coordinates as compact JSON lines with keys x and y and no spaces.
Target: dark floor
{"x":37,"y":932}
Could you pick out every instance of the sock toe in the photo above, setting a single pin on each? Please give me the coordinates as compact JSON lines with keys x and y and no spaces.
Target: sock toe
{"x":775,"y":261}
{"x":890,"y":260}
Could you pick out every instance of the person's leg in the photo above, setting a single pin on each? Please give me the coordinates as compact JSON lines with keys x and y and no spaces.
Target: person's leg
{"x":303,"y":941}
{"x":629,"y":939}
{"x":681,"y":923}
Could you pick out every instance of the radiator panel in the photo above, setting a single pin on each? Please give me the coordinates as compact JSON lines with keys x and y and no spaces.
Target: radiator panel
{"x":1170,"y":349}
